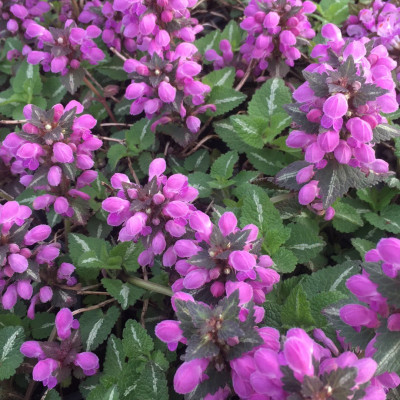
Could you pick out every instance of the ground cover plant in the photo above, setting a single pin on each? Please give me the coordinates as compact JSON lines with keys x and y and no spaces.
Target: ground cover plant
{"x":199,"y":200}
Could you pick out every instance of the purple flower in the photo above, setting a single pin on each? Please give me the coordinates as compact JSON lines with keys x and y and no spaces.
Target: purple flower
{"x":189,"y":375}
{"x":43,"y":372}
{"x":88,"y":361}
{"x":65,"y":322}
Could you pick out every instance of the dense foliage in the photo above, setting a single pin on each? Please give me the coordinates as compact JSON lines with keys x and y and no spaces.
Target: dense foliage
{"x":199,"y":199}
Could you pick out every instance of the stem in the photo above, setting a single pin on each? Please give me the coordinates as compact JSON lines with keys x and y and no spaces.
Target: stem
{"x":12,"y":122}
{"x":75,"y":8}
{"x":67,"y":230}
{"x":5,"y":196}
{"x":118,"y":54}
{"x":117,"y":124}
{"x":145,"y":301}
{"x":121,"y":141}
{"x":132,"y":171}
{"x":199,"y":144}
{"x":100,"y":98}
{"x":245,"y":76}
{"x":151,"y":286}
{"x":95,"y":307}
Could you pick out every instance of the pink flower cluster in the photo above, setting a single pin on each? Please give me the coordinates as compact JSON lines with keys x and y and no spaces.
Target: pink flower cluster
{"x":64,"y":49}
{"x":227,"y":59}
{"x":366,"y":291}
{"x":166,"y":86}
{"x":381,"y":21}
{"x":102,"y":13}
{"x":58,"y":360}
{"x":275,"y":30}
{"x":19,"y":14}
{"x":22,"y":251}
{"x":157,"y":212}
{"x":47,"y":155}
{"x":192,"y":372}
{"x":273,"y":370}
{"x":154,"y":25}
{"x":342,"y":101}
{"x":222,"y":259}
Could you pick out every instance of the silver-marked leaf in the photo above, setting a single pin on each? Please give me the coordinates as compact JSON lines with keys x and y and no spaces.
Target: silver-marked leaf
{"x":223,"y":165}
{"x":222,"y":77}
{"x":388,"y":352}
{"x":269,"y":99}
{"x":11,"y":339}
{"x":385,"y":132}
{"x":136,"y":340}
{"x":96,"y":326}
{"x":125,"y":293}
{"x":224,"y":99}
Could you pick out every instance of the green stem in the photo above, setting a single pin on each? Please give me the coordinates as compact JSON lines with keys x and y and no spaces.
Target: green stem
{"x":151,"y":286}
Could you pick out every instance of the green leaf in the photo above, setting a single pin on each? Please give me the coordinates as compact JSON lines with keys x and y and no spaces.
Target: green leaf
{"x":152,"y":384}
{"x":136,"y":341}
{"x":296,"y":311}
{"x":223,"y":165}
{"x":335,"y":11}
{"x":272,"y":315}
{"x":378,"y":197}
{"x":222,"y":77}
{"x":346,"y":218}
{"x":250,"y":129}
{"x":388,"y":219}
{"x":322,"y":300}
{"x":111,"y":394}
{"x":225,"y":100}
{"x":139,"y":136}
{"x":303,"y":242}
{"x":285,"y":261}
{"x":53,"y":90}
{"x":330,"y":278}
{"x":89,"y":254}
{"x":200,"y":181}
{"x":388,"y":352}
{"x":385,"y":132}
{"x":209,"y":41}
{"x":269,"y":99}
{"x":27,"y":80}
{"x":96,"y":326}
{"x":113,"y":69}
{"x":10,"y":320}
{"x":11,"y":339}
{"x":125,"y":293}
{"x":115,"y":357}
{"x":198,"y":161}
{"x":229,"y":135}
{"x":233,"y":33}
{"x":52,"y":395}
{"x":115,"y":153}
{"x":267,"y":161}
{"x":42,"y":325}
{"x":362,"y":245}
{"x":258,"y":209}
